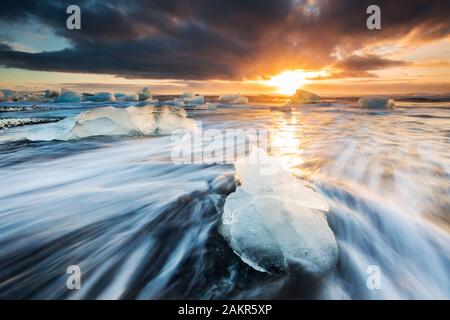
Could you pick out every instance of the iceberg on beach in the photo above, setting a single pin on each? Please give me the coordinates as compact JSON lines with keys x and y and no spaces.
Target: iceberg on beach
{"x":303,"y":96}
{"x":176,"y":102}
{"x":188,"y":98}
{"x":191,"y":101}
{"x":241,"y":100}
{"x":274,"y":222}
{"x":36,"y":97}
{"x":194,"y":100}
{"x":233,"y":99}
{"x":111,"y":121}
{"x":68,"y":96}
{"x":205,"y":106}
{"x":187,"y":95}
{"x":6,"y":94}
{"x":125,"y":97}
{"x":120,"y":96}
{"x":50,"y":94}
{"x":144,"y":94}
{"x":376,"y":102}
{"x":9,"y":95}
{"x":99,"y":97}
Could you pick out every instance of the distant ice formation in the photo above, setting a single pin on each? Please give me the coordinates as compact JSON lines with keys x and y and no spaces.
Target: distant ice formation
{"x":376,"y":102}
{"x":191,"y":101}
{"x":187,"y":95}
{"x":50,"y":94}
{"x":126,"y":97}
{"x":99,"y":97}
{"x":194,"y":100}
{"x":5,"y":94}
{"x":42,"y":96}
{"x":111,"y":121}
{"x":37,"y":97}
{"x":68,"y":96}
{"x":188,"y":98}
{"x":303,"y":96}
{"x":233,"y":99}
{"x":241,"y":100}
{"x":274,"y":222}
{"x":144,"y":95}
{"x":205,"y":106}
{"x":120,"y":96}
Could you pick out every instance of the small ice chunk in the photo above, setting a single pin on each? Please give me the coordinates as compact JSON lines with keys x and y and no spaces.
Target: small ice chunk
{"x":99,"y":97}
{"x":49,"y":94}
{"x":2,"y":96}
{"x":376,"y":102}
{"x":233,"y":99}
{"x":124,"y":97}
{"x":241,"y":100}
{"x":189,"y":101}
{"x":205,"y":106}
{"x":275,"y":222}
{"x":68,"y":96}
{"x":144,"y":94}
{"x":7,"y":94}
{"x":132,"y":97}
{"x":187,"y":95}
{"x":229,"y":98}
{"x":303,"y":96}
{"x":36,"y":97}
{"x":120,"y":96}
{"x":177,"y":103}
{"x":193,"y":100}
{"x":211,"y":106}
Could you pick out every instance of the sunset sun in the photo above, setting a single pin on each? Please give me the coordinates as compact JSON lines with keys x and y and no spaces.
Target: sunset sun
{"x":289,"y":81}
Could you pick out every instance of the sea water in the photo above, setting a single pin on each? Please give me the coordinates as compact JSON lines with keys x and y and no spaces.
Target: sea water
{"x":141,"y":226}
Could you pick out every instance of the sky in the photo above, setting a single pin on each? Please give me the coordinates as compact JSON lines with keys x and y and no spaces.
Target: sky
{"x":225,"y":46}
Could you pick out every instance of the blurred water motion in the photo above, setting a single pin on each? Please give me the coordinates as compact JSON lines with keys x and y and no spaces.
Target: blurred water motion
{"x":141,"y":227}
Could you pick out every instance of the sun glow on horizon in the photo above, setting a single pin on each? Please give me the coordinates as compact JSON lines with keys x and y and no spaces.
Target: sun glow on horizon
{"x":289,"y":81}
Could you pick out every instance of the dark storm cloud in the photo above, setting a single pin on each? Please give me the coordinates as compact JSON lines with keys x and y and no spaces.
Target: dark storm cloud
{"x":367,"y":62}
{"x":222,"y":39}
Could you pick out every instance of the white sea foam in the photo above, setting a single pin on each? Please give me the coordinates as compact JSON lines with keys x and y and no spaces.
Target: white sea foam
{"x":15,"y":122}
